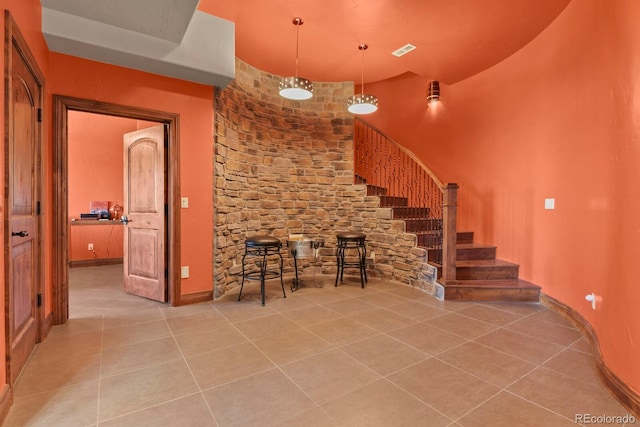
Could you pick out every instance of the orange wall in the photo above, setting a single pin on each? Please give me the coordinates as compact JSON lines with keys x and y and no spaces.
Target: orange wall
{"x":80,"y":78}
{"x":95,"y":173}
{"x":558,"y":119}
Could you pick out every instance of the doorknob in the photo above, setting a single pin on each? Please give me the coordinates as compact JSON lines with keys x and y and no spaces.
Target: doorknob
{"x":125,"y":220}
{"x":22,"y":233}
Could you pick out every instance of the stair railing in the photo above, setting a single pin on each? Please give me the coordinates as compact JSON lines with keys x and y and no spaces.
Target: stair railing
{"x":400,"y":178}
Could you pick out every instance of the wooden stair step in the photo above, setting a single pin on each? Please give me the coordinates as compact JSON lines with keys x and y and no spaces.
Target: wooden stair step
{"x":464,"y":237}
{"x":471,"y":251}
{"x":413,"y":225}
{"x":484,"y":269}
{"x":373,"y":190}
{"x":515,"y":290}
{"x":392,"y":201}
{"x":409,"y":213}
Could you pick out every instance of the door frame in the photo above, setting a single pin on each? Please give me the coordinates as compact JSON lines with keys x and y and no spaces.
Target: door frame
{"x":61,"y":106}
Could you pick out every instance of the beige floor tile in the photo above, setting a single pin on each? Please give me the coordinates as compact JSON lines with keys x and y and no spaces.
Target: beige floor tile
{"x":234,"y":311}
{"x":329,"y":375}
{"x":135,"y":333}
{"x":294,"y":301}
{"x":326,"y":295}
{"x":383,"y":354}
{"x":83,"y":321}
{"x":416,"y":310}
{"x":312,"y":315}
{"x":382,"y":299}
{"x":266,"y":326}
{"x":575,"y":364}
{"x":427,"y":338}
{"x":520,"y":345}
{"x":489,"y":315}
{"x":414,"y":294}
{"x":66,"y":346}
{"x":222,"y":336}
{"x":491,"y":365}
{"x":507,"y":410}
{"x":315,"y":417}
{"x":521,"y":308}
{"x":382,"y":319}
{"x":54,"y":373}
{"x":463,"y":326}
{"x":114,"y":318}
{"x":201,"y":321}
{"x":228,"y":364}
{"x":342,"y":331}
{"x":291,"y":345}
{"x":551,"y":332}
{"x":168,"y":312}
{"x":549,"y":316}
{"x":565,"y":395}
{"x":267,"y":397}
{"x":444,"y":387}
{"x":118,"y":360}
{"x":133,"y":391}
{"x":382,"y":404}
{"x":191,"y":411}
{"x":75,"y":405}
{"x":350,"y":306}
{"x":583,"y":346}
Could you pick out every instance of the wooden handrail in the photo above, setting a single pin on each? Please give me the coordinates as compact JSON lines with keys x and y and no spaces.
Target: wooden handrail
{"x":400,"y":179}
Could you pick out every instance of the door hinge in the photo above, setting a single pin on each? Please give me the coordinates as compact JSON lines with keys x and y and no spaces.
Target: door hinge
{"x":166,"y":273}
{"x":39,"y":115}
{"x":38,"y":208}
{"x":39,"y":300}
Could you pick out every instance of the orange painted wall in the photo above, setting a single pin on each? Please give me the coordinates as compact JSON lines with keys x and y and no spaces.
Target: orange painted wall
{"x":558,"y":119}
{"x":80,"y":78}
{"x":27,"y":14}
{"x":95,"y":173}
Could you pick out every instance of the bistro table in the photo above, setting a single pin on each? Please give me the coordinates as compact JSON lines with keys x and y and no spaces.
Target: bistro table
{"x":304,"y":248}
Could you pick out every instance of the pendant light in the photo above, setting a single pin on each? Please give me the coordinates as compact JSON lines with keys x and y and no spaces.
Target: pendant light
{"x":363,"y":103}
{"x":296,"y":88}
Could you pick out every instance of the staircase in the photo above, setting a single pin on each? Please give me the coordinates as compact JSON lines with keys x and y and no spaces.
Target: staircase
{"x":479,"y":275}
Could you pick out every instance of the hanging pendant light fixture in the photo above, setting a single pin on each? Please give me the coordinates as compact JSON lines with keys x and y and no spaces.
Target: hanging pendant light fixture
{"x":363,"y":103}
{"x":297,"y":88}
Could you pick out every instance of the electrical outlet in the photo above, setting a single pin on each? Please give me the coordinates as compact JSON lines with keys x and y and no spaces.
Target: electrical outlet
{"x":90,"y":247}
{"x":184,"y":272}
{"x":184,"y":202}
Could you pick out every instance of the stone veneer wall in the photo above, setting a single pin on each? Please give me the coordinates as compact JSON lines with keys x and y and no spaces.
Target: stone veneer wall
{"x":285,"y":167}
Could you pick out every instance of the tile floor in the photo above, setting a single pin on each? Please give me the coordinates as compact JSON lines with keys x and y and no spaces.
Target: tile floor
{"x":388,"y":355}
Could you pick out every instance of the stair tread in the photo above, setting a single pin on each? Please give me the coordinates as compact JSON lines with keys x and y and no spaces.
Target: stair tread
{"x":485,"y":263}
{"x":473,"y":246}
{"x":495,"y":283}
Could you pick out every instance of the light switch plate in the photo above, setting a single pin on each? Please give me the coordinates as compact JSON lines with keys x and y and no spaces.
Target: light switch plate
{"x":549,"y":203}
{"x":184,"y":202}
{"x":184,"y":272}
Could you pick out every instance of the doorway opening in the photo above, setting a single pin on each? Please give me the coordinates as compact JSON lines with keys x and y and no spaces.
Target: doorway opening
{"x":62,"y":106}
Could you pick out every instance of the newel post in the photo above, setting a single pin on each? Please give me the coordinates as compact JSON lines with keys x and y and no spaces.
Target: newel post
{"x":450,"y":233}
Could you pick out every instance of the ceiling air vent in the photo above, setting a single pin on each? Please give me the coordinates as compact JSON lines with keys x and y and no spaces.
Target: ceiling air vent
{"x":403,"y":50}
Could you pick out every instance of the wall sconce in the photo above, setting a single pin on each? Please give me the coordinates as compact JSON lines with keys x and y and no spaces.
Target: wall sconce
{"x":433,"y":93}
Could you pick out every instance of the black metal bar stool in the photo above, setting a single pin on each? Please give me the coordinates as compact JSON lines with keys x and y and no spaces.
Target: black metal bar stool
{"x":351,"y":240}
{"x":262,"y":248}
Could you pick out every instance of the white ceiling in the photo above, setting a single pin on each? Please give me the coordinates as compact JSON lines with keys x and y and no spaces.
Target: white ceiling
{"x":166,"y":37}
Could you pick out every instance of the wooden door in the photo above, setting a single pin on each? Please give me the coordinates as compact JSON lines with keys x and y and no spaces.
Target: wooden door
{"x":144,"y":213}
{"x":22,"y":231}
